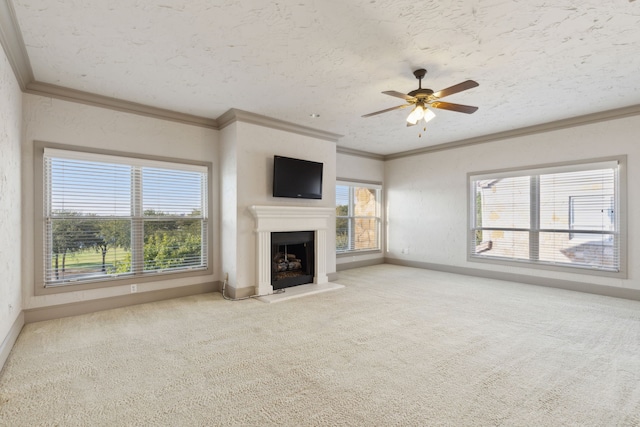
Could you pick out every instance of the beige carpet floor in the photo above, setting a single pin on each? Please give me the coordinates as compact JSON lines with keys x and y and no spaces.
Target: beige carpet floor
{"x":396,"y":347}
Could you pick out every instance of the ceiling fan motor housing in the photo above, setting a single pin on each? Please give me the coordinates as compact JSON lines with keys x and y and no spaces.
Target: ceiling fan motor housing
{"x":421,"y":93}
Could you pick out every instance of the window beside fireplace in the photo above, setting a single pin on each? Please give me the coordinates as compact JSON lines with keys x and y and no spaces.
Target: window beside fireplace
{"x":358,"y":217}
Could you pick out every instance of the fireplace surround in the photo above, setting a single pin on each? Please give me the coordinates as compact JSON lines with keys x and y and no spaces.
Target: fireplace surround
{"x":270,"y":219}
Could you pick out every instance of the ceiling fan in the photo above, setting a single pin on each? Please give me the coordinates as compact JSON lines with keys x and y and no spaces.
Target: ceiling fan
{"x":421,"y":98}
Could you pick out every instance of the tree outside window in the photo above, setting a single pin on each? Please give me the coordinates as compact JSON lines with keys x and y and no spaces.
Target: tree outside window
{"x":108,"y":217}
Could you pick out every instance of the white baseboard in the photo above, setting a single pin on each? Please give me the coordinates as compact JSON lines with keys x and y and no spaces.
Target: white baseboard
{"x":10,"y":339}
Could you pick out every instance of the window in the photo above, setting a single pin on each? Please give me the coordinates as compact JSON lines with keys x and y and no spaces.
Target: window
{"x":110,"y":217}
{"x":567,"y":216}
{"x":357,"y":217}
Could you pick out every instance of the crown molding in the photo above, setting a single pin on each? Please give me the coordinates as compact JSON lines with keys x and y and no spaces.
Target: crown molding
{"x":600,"y":116}
{"x":234,"y":115}
{"x":66,"y":94}
{"x":359,"y":153}
{"x":13,"y":44}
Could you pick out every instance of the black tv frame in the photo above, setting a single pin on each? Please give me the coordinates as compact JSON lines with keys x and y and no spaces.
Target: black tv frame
{"x":297,"y":178}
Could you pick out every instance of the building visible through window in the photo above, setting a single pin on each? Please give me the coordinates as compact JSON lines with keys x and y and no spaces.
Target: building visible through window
{"x":562,"y":216}
{"x":357,"y":217}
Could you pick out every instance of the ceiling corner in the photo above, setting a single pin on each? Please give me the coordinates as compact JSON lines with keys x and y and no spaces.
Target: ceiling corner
{"x":13,"y":45}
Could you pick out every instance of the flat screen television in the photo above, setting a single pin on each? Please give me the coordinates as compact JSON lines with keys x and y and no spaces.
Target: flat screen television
{"x":296,"y":178}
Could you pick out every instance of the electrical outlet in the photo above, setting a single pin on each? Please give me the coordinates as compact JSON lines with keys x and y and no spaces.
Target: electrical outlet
{"x":134,"y":289}
{"x":405,"y":250}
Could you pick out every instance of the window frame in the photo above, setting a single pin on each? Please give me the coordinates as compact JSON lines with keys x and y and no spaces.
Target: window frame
{"x":371,"y":185}
{"x":540,"y":169}
{"x":40,"y":285}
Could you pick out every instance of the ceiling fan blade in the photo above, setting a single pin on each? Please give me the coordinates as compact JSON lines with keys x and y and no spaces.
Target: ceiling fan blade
{"x":454,"y":107}
{"x":456,"y":88}
{"x":400,"y":95}
{"x":388,"y":109}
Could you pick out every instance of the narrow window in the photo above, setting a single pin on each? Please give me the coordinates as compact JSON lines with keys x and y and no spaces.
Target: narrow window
{"x":357,"y":217}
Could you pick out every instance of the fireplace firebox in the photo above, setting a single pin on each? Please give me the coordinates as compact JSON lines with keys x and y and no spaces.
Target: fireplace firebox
{"x":292,"y":258}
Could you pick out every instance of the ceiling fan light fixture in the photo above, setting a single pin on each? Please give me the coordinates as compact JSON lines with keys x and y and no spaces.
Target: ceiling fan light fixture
{"x":416,"y":114}
{"x":428,"y":115}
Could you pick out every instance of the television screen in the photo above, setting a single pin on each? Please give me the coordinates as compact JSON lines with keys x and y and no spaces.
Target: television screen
{"x":295,"y":178}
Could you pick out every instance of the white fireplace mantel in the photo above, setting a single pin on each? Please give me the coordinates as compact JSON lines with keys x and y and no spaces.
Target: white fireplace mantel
{"x":270,"y":219}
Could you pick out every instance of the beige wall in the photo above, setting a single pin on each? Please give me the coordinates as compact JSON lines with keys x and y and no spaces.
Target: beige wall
{"x":358,"y":168}
{"x":250,"y":149}
{"x":229,"y":202}
{"x":427,"y":193}
{"x":242,"y":156}
{"x":53,"y":120}
{"x":10,"y":201}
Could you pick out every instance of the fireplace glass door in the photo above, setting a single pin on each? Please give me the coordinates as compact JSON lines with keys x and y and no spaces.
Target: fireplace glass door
{"x":292,"y":258}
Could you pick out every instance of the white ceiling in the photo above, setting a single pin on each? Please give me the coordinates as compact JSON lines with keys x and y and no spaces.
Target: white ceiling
{"x":536,"y":61}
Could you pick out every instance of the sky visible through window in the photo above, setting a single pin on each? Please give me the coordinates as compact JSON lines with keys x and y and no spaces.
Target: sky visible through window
{"x":104,"y":189}
{"x":342,"y":195}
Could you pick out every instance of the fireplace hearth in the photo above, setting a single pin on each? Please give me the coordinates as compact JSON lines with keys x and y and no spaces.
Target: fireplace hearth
{"x":292,"y":258}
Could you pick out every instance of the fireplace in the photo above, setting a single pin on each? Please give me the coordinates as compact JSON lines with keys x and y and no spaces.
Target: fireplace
{"x":292,"y":258}
{"x":284,"y":219}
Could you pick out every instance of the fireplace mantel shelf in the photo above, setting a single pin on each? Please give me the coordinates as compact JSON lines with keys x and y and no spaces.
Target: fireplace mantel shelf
{"x":273,"y":218}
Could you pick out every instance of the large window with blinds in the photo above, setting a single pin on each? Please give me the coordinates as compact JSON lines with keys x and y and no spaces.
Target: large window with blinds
{"x":568,"y":216}
{"x":357,"y":217}
{"x":110,"y":217}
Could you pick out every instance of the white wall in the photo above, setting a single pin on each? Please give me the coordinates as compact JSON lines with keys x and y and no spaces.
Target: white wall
{"x":255,"y":147}
{"x":229,"y":201}
{"x":10,"y":212}
{"x":358,"y":168}
{"x":52,"y":120}
{"x":427,"y":193}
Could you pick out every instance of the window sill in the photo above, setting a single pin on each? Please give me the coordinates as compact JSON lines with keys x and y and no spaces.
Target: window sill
{"x":582,"y":270}
{"x":356,"y":253}
{"x":118,"y":281}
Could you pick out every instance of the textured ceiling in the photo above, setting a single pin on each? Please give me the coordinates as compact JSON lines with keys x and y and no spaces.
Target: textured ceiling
{"x":536,"y":61}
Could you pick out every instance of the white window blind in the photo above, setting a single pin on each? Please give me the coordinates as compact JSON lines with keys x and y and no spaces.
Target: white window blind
{"x":108,"y":217}
{"x":357,"y":217}
{"x":563,"y":216}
